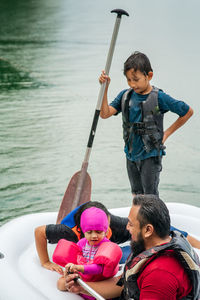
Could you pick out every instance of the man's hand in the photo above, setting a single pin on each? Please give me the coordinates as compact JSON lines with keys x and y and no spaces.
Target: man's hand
{"x":72,"y":286}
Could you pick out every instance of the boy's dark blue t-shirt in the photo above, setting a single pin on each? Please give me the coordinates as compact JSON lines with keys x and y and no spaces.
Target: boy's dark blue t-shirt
{"x":166,"y":103}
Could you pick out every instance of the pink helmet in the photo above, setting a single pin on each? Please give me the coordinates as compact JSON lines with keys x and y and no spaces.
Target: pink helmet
{"x":94,"y":218}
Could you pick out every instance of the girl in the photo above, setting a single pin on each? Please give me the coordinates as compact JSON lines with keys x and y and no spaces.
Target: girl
{"x":93,"y":255}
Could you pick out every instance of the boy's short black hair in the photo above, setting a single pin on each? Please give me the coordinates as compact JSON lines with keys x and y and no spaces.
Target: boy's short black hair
{"x":138,"y":61}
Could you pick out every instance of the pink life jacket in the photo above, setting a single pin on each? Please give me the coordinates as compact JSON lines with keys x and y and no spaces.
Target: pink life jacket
{"x":108,"y":255}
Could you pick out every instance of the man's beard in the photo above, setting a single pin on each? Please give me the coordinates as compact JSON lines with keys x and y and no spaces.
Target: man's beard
{"x":138,"y":247}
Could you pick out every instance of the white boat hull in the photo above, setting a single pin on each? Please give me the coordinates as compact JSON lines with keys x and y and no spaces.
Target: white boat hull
{"x":22,"y":276}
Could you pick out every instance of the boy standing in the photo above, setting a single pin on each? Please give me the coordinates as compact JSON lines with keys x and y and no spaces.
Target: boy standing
{"x":143,"y":107}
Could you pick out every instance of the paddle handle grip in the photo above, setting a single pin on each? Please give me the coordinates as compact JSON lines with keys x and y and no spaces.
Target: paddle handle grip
{"x":93,"y":128}
{"x":119,"y":12}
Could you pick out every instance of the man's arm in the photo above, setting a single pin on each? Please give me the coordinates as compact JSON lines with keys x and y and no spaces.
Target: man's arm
{"x":177,"y":124}
{"x":106,"y":110}
{"x":41,"y":246}
{"x":193,"y":241}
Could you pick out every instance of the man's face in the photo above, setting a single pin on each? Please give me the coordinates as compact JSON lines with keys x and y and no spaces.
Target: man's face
{"x":139,"y":246}
{"x":133,"y":226}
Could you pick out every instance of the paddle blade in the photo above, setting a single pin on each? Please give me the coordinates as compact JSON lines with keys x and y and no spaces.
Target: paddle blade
{"x":69,"y":195}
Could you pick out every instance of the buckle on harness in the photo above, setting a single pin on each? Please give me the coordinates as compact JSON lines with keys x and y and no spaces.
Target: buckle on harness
{"x":139,"y":128}
{"x":138,"y":125}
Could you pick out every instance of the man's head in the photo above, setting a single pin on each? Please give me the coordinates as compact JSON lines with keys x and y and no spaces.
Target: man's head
{"x":138,"y":71}
{"x":149,"y":221}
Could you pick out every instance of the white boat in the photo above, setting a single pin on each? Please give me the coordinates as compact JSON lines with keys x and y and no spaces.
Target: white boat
{"x":22,"y":276}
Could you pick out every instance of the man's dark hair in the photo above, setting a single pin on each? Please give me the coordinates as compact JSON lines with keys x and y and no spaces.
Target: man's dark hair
{"x":153,"y":211}
{"x":77,"y":216}
{"x":138,"y":61}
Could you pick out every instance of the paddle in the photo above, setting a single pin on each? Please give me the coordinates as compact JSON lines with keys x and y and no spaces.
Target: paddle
{"x":79,"y":188}
{"x":86,"y":287}
{"x":89,"y":289}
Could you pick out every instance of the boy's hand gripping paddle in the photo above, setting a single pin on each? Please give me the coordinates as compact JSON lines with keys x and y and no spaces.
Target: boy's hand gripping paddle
{"x":79,"y":187}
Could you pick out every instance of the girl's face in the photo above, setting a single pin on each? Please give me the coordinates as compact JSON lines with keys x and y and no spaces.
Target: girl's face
{"x":94,"y":236}
{"x":139,"y":82}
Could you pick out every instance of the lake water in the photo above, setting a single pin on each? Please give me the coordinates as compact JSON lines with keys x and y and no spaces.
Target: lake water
{"x":51,"y":54}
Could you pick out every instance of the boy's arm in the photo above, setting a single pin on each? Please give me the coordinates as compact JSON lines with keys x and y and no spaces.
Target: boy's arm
{"x":177,"y":124}
{"x":106,"y":110}
{"x":41,"y":246}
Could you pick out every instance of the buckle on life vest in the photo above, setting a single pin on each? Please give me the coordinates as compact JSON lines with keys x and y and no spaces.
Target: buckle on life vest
{"x":138,"y":125}
{"x":139,"y":128}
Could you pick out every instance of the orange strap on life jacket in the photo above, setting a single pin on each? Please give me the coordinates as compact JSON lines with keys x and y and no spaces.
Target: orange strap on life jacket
{"x":78,"y":234}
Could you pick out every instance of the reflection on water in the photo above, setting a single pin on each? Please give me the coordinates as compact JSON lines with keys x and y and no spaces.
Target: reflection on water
{"x":51,"y":54}
{"x":12,"y":77}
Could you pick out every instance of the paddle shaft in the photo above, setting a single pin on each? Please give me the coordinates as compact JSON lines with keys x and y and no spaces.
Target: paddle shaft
{"x":84,"y":167}
{"x":89,"y":289}
{"x":119,"y":12}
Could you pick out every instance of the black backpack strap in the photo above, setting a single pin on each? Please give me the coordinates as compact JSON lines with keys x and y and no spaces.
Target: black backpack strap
{"x":125,"y":101}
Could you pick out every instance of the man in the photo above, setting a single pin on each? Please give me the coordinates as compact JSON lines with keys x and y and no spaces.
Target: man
{"x":161,"y":266}
{"x":69,"y":229}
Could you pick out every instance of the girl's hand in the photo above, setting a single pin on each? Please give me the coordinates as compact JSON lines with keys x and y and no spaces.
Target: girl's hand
{"x":68,"y":269}
{"x":71,"y":268}
{"x":53,"y":267}
{"x":104,"y":78}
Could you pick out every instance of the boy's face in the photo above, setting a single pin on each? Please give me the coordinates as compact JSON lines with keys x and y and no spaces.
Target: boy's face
{"x":138,"y":81}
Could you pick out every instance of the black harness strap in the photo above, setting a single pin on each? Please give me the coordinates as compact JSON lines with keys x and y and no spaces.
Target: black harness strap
{"x":150,"y":128}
